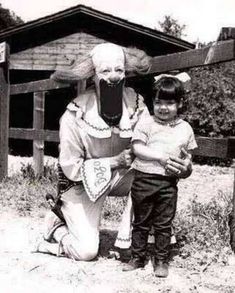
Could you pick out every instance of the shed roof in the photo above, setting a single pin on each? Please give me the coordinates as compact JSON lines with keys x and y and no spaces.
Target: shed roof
{"x":100,"y":24}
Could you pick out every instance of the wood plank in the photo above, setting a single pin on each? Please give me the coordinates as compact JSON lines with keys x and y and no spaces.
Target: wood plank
{"x":212,"y":147}
{"x":28,"y":66}
{"x":233,"y":198}
{"x":36,"y":86}
{"x":219,"y":52}
{"x":231,"y":147}
{"x":55,"y":54}
{"x":4,"y":110}
{"x":38,"y":124}
{"x":31,"y":134}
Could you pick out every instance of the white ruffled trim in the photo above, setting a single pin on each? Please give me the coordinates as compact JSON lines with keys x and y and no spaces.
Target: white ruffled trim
{"x":88,"y":118}
{"x":96,"y":177}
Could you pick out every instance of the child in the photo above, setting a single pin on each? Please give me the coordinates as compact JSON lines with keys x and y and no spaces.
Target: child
{"x":154,"y":191}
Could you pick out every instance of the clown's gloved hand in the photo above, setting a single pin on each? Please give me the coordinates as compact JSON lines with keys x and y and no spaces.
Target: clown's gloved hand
{"x":180,"y":167}
{"x":123,"y":160}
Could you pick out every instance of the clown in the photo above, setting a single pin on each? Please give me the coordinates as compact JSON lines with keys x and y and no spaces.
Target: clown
{"x":95,"y":154}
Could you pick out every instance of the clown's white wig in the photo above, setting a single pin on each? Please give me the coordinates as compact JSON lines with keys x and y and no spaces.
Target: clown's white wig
{"x":136,"y":62}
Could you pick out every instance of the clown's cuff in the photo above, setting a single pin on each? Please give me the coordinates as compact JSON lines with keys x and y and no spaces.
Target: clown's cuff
{"x":96,"y":177}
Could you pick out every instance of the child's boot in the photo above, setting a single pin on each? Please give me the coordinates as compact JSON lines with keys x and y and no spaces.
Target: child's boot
{"x":161,"y":268}
{"x":133,"y":264}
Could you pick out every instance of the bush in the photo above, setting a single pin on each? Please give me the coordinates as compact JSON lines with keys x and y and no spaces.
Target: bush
{"x":210,"y":105}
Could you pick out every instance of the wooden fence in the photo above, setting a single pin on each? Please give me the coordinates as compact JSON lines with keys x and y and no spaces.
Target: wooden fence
{"x":211,"y":147}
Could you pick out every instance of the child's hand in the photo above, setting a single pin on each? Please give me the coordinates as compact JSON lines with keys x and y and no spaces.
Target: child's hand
{"x":163,"y":158}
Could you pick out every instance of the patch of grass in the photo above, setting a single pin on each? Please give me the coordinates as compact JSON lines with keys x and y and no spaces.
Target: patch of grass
{"x":24,"y":192}
{"x":202,"y":232}
{"x":113,"y":208}
{"x":201,"y":227}
{"x":49,"y":172}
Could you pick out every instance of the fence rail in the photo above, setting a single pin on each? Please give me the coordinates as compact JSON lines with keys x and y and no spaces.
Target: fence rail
{"x":33,"y":134}
{"x":36,"y":86}
{"x":207,"y":147}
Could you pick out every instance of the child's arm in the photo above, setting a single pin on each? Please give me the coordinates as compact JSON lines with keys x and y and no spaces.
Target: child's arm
{"x":146,"y":153}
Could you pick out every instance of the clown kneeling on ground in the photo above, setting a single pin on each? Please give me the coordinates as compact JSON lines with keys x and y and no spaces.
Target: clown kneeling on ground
{"x":95,"y":155}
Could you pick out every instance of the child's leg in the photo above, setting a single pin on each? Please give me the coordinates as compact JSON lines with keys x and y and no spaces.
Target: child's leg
{"x":143,"y":204}
{"x":164,"y":212}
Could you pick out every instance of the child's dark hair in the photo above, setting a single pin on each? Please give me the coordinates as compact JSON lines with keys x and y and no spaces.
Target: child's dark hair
{"x":168,"y":88}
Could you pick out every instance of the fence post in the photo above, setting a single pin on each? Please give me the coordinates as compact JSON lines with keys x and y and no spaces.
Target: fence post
{"x":233,"y":198}
{"x":38,"y":124}
{"x":4,"y":108}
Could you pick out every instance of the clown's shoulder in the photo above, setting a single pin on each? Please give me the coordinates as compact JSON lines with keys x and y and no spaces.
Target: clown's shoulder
{"x":81,"y":103}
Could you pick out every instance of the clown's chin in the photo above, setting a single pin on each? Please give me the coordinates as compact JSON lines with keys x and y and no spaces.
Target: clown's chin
{"x":111,"y":102}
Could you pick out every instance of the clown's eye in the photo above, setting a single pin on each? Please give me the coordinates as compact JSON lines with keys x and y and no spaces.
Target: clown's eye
{"x":119,"y":70}
{"x":105,"y":71}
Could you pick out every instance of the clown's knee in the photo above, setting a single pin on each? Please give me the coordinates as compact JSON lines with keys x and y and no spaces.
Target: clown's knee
{"x":85,"y":252}
{"x":88,"y":254}
{"x":81,"y":251}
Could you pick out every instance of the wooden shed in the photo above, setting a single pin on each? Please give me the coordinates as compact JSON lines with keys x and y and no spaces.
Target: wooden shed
{"x":39,"y":47}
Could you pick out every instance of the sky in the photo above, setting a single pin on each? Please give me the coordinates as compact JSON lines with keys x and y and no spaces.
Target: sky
{"x":203,"y":18}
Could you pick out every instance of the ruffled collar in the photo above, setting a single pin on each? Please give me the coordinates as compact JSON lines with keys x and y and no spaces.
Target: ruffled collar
{"x":88,"y":118}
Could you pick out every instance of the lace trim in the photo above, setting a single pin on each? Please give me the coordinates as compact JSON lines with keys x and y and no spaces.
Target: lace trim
{"x":108,"y":128}
{"x":88,"y":190}
{"x":136,"y":106}
{"x":123,"y":239}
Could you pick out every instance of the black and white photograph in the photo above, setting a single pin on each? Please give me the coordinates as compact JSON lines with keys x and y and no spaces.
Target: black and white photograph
{"x":117,"y":146}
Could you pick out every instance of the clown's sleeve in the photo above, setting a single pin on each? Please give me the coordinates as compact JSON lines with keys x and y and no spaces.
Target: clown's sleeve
{"x":95,"y":174}
{"x":72,"y":154}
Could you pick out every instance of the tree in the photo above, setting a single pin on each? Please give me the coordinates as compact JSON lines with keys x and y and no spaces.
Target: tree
{"x":172,"y":27}
{"x":8,"y":18}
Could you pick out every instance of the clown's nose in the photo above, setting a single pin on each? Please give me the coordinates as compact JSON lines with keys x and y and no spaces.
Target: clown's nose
{"x":114,"y":79}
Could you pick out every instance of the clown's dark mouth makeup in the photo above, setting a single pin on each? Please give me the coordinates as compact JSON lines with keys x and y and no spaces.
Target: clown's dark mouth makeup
{"x":111,"y":102}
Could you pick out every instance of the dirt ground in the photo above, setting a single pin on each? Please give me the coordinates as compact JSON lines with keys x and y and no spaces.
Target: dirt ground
{"x":22,"y":271}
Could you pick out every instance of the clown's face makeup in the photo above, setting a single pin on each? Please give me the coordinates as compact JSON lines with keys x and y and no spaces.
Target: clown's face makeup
{"x":109,"y":63}
{"x":112,"y":73}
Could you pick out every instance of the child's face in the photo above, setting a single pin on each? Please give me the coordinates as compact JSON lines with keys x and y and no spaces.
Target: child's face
{"x":165,"y":110}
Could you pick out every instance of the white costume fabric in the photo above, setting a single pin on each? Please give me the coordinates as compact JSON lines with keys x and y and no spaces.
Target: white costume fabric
{"x":86,"y":143}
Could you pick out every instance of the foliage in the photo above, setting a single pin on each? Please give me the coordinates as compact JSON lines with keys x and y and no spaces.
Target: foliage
{"x":8,"y":18}
{"x":172,"y":27}
{"x":113,"y":208}
{"x":49,"y":172}
{"x":210,"y":105}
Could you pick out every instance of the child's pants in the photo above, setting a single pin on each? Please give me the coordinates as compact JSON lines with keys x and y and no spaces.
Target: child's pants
{"x":154,"y":199}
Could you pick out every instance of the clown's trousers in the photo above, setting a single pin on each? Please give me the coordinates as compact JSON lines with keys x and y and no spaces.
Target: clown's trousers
{"x":79,"y":237}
